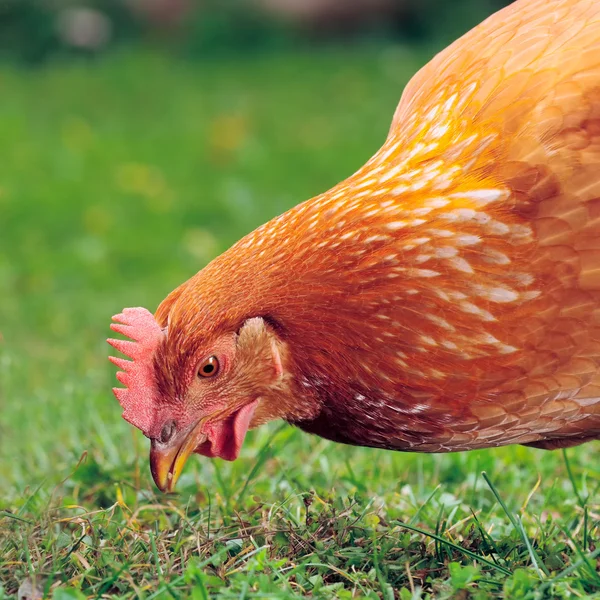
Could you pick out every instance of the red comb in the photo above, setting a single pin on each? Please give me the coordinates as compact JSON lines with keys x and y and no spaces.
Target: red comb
{"x":137,"y":375}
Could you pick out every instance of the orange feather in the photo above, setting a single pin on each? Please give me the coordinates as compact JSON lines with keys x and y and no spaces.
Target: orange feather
{"x":447,"y":295}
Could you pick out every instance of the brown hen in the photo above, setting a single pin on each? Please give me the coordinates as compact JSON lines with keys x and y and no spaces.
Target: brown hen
{"x":444,"y":297}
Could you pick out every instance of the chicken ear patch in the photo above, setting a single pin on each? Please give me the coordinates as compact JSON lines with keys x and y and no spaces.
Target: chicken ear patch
{"x":137,"y":375}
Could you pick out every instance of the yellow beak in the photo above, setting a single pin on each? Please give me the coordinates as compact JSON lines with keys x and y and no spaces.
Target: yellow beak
{"x":167,"y":460}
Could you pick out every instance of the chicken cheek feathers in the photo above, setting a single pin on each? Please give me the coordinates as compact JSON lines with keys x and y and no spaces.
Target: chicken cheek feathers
{"x":255,"y":364}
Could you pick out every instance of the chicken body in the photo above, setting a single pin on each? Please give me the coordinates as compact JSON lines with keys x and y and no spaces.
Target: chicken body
{"x":445,"y":297}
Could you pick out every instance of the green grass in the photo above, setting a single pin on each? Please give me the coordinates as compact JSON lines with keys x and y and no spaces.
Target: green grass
{"x":120,"y":179}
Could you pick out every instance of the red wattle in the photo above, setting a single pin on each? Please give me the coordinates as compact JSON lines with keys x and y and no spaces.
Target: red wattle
{"x":225,"y":438}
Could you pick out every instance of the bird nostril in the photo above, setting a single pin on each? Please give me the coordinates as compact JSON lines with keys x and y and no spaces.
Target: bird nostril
{"x":167,"y":432}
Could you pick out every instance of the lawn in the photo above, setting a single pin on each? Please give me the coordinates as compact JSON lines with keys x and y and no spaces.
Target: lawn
{"x":118,"y":180}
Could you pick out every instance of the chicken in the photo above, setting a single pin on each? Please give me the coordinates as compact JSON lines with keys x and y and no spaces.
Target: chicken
{"x":445,"y":297}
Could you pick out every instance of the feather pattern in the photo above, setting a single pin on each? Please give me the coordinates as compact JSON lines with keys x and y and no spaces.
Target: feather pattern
{"x":447,"y":295}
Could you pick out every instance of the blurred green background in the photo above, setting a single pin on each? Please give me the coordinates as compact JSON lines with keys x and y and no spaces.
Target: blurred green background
{"x":34,"y":31}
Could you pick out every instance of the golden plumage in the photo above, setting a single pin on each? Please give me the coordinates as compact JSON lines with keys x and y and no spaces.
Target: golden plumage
{"x":447,"y":295}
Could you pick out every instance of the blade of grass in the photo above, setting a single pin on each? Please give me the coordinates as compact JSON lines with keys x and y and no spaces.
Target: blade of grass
{"x":582,"y":556}
{"x":516,"y":523}
{"x":456,"y":547}
{"x":386,"y":590}
{"x":424,"y":504}
{"x":9,"y":515}
{"x":582,"y":501}
{"x":181,"y":578}
{"x":225,"y":489}
{"x":263,"y":455}
{"x":572,"y":478}
{"x":570,"y":569}
{"x":486,"y":538}
{"x":438,"y":525}
{"x":535,"y":559}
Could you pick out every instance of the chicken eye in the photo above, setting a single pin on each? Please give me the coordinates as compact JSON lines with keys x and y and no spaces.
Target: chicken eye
{"x":209,"y":368}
